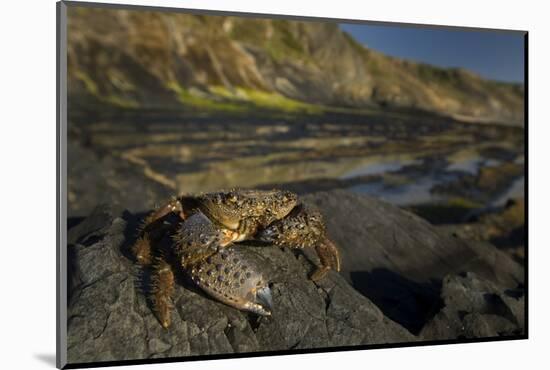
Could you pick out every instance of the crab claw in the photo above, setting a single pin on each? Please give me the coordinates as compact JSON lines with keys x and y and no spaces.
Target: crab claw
{"x":197,"y":238}
{"x":265,"y":300}
{"x":233,"y":277}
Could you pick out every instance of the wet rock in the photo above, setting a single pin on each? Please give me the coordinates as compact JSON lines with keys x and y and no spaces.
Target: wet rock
{"x":484,"y":185}
{"x":503,"y":227}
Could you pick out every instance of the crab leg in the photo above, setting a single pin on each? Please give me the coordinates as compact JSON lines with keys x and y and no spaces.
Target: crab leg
{"x":329,"y":256}
{"x":304,"y":228}
{"x":142,"y":250}
{"x":173,"y":205}
{"x":142,"y":247}
{"x":162,"y":289}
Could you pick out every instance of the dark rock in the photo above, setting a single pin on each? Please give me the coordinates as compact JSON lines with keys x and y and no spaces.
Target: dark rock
{"x":398,"y":260}
{"x":373,"y":234}
{"x":475,"y":308}
{"x":393,"y":282}
{"x":109,"y":318}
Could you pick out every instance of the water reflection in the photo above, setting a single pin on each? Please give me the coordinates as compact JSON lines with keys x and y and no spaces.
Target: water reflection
{"x":380,"y":166}
{"x":516,"y":190}
{"x":411,"y":194}
{"x":398,"y":160}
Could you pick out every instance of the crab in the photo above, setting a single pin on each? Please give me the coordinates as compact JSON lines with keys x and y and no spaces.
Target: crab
{"x":199,"y":235}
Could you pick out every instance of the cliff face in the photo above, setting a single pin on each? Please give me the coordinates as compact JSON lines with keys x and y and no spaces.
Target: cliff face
{"x":153,"y":59}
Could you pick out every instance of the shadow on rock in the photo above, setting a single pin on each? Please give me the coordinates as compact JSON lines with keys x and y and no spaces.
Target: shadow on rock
{"x":133,"y":223}
{"x":474,"y":308}
{"x":406,"y":302}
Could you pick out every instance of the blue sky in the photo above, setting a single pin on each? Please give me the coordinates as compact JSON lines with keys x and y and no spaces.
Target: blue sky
{"x":494,"y":55}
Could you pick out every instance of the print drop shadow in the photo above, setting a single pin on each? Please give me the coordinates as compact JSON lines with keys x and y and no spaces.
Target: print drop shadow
{"x":404,"y":301}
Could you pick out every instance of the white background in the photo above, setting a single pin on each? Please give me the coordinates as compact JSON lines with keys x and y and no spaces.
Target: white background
{"x":27,"y":144}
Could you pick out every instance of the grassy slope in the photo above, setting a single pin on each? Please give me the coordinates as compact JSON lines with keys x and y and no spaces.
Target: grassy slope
{"x":129,"y":59}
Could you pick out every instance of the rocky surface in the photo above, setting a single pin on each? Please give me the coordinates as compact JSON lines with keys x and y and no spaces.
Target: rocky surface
{"x":402,"y":281}
{"x":399,"y":260}
{"x":475,"y":308}
{"x":504,"y":227}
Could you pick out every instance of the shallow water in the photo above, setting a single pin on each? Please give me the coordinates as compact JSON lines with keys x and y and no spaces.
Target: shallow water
{"x":384,"y":166}
{"x":416,"y":193}
{"x":416,"y":188}
{"x":516,"y":190}
{"x":470,"y":166}
{"x":397,"y":160}
{"x":470,"y":161}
